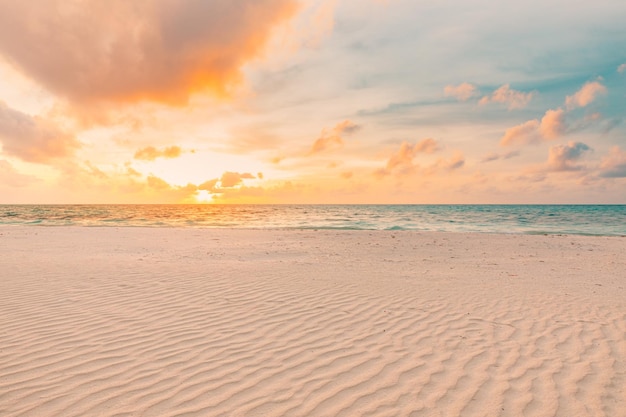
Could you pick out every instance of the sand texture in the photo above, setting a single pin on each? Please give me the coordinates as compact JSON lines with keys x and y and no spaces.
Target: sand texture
{"x":190,"y":322}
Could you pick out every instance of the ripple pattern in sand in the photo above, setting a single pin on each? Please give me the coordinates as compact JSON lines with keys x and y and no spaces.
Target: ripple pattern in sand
{"x":252,"y":340}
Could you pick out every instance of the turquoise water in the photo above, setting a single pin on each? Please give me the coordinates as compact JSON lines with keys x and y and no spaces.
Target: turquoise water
{"x":608,"y":220}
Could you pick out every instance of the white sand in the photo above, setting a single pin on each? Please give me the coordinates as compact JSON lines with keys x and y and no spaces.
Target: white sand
{"x":164,"y":322}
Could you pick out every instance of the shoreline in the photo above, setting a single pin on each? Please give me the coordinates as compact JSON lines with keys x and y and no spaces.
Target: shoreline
{"x":308,"y":229}
{"x":167,"y":321}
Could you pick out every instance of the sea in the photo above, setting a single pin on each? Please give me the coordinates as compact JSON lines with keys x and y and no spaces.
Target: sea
{"x":596,"y":220}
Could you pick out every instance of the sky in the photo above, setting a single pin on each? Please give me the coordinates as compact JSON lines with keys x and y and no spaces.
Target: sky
{"x":313,"y":101}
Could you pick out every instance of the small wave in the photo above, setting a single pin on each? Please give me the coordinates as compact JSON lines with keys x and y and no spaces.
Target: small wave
{"x":396,"y":228}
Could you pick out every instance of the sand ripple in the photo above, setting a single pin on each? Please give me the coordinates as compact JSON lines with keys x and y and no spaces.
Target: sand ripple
{"x":236,"y":323}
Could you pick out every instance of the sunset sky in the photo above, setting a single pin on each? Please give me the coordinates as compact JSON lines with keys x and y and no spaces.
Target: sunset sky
{"x":312,"y":101}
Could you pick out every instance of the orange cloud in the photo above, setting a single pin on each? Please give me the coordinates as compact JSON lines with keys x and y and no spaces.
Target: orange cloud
{"x":127,"y":51}
{"x":512,"y":98}
{"x":332,"y":138}
{"x":401,"y":162}
{"x":228,"y":180}
{"x":586,"y":95}
{"x":456,"y":161}
{"x":90,"y":184}
{"x":461,"y":92}
{"x":32,"y":138}
{"x":427,"y":145}
{"x":232,"y":179}
{"x":209,"y":186}
{"x":151,"y":153}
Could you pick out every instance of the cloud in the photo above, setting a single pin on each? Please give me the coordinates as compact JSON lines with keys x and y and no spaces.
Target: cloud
{"x":10,"y":177}
{"x":332,"y":138}
{"x":232,"y":179}
{"x":586,"y":95}
{"x":461,"y":92}
{"x":83,"y":182}
{"x":563,"y":157}
{"x":151,"y":153}
{"x":401,"y":162}
{"x":551,"y":126}
{"x":209,"y":186}
{"x":614,"y":164}
{"x":496,"y":156}
{"x":32,"y":138}
{"x":622,"y":68}
{"x":322,"y":21}
{"x":127,"y":51}
{"x":228,"y":180}
{"x":522,"y":134}
{"x":455,"y":162}
{"x":512,"y":98}
{"x":427,"y":145}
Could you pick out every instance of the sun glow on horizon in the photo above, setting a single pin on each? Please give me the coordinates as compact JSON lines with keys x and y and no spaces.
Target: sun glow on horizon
{"x":311,"y":101}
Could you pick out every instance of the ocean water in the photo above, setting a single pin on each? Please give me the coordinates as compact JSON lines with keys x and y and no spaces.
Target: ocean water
{"x":603,"y":220}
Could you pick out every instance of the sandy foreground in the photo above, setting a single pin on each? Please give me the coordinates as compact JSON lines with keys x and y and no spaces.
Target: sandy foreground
{"x":177,"y":322}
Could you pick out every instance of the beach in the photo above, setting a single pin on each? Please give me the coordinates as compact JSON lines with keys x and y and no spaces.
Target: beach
{"x":98,"y":321}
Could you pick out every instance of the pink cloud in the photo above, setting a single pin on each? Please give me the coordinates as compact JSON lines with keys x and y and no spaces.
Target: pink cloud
{"x":553,"y":124}
{"x":512,"y":98}
{"x":522,"y":134}
{"x":461,"y":92}
{"x":496,"y":156}
{"x":32,"y":138}
{"x":622,"y":68}
{"x":586,"y":95}
{"x":614,"y":164}
{"x":127,"y":51}
{"x":455,"y":162}
{"x":564,"y":157}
